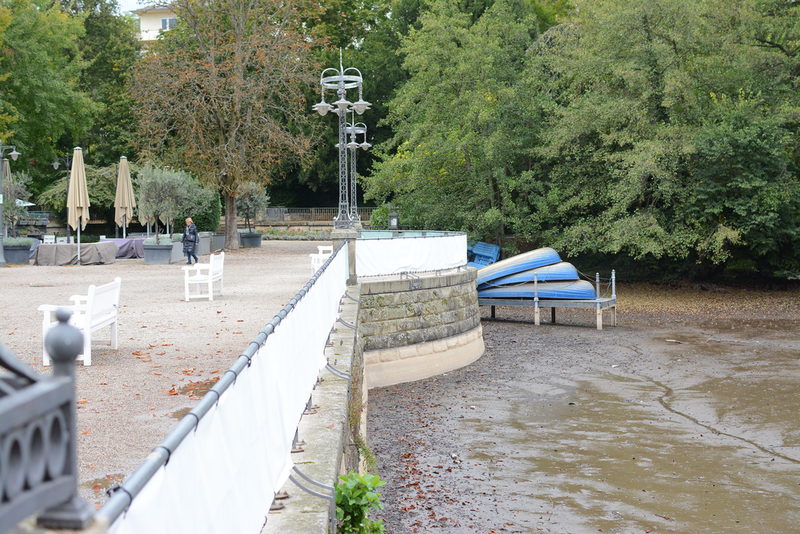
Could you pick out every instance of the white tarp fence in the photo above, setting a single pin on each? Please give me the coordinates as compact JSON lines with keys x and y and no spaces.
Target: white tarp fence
{"x":223,"y":476}
{"x":410,"y":254}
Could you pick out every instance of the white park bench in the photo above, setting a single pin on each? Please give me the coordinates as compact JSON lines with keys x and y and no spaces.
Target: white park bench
{"x":203,"y":275}
{"x":317,"y":260}
{"x":91,"y":312}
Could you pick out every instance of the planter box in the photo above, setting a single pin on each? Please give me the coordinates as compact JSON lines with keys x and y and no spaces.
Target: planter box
{"x":204,"y":245}
{"x":177,"y":252}
{"x":158,"y":254}
{"x":217,"y":242}
{"x":17,"y":254}
{"x":249,"y":240}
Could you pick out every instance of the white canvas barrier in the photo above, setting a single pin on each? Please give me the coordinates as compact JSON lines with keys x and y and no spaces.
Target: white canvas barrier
{"x":223,"y":476}
{"x":410,"y":254}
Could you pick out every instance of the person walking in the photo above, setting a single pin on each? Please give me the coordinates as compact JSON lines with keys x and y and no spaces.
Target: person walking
{"x":189,"y":241}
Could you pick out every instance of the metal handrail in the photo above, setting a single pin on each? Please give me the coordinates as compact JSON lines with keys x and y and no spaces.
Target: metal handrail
{"x":122,"y":495}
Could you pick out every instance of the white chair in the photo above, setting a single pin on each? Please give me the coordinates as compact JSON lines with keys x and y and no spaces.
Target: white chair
{"x":61,"y":240}
{"x":318,"y":260}
{"x":203,"y":275}
{"x":91,"y":312}
{"x":49,"y":239}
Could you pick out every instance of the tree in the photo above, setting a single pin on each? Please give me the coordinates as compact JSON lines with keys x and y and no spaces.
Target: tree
{"x":101,"y":183}
{"x":251,"y":200}
{"x":456,"y":119}
{"x":109,"y":47}
{"x":164,"y":195}
{"x":669,"y":134}
{"x":15,"y":188}
{"x":40,"y":64}
{"x":222,"y":94}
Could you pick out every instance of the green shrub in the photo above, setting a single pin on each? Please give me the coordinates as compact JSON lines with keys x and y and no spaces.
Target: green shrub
{"x":355,"y":498}
{"x":160,"y":240}
{"x":17,"y":241}
{"x":379,"y":220}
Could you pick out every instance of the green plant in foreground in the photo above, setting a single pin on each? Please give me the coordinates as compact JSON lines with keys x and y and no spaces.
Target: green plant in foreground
{"x":355,"y":497}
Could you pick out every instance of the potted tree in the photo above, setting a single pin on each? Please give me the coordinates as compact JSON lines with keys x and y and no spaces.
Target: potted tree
{"x":163,"y":195}
{"x":17,"y":250}
{"x":15,"y":192}
{"x":251,"y":200}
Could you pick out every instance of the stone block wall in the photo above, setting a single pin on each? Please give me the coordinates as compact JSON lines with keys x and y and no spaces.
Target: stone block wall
{"x":401,"y":312}
{"x":417,"y":326}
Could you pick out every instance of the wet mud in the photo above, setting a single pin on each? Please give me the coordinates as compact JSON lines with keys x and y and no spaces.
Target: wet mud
{"x":671,"y":422}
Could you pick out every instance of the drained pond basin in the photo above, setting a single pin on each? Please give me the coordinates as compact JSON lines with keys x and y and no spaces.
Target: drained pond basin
{"x":682,"y":419}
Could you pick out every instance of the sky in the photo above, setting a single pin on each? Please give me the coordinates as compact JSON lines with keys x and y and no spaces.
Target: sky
{"x":128,"y":5}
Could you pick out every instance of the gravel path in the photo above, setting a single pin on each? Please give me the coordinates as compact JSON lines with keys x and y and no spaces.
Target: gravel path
{"x":170,"y":351}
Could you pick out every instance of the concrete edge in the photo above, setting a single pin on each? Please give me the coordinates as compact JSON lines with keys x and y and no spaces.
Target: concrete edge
{"x":387,"y":367}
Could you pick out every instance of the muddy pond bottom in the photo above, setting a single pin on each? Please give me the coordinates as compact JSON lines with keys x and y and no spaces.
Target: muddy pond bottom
{"x":626,"y":430}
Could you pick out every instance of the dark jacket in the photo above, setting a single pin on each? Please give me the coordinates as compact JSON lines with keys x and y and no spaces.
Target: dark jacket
{"x":190,"y":239}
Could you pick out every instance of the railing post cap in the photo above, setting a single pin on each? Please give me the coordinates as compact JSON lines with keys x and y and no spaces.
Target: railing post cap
{"x":63,"y":342}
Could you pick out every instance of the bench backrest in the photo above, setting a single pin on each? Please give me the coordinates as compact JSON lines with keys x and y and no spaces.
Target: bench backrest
{"x":216,"y":262}
{"x":103,"y":300}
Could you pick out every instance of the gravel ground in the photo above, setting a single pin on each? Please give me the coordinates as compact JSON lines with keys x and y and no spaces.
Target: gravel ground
{"x":681,"y":419}
{"x":170,"y":351}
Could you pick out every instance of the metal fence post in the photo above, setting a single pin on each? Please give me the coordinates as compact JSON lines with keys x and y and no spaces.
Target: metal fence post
{"x":63,"y":343}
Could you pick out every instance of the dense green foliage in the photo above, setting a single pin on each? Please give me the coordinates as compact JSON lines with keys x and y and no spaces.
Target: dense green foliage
{"x":63,"y":75}
{"x":40,"y":62}
{"x":101,"y":183}
{"x":663,"y":131}
{"x":355,"y":498}
{"x":662,"y":134}
{"x":110,"y":48}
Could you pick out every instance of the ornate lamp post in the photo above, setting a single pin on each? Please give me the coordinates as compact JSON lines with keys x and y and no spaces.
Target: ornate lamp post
{"x":354,"y":129}
{"x":14,"y":155}
{"x":340,"y":80}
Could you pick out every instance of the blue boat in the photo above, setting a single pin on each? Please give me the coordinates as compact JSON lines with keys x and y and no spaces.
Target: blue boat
{"x":550,"y":273}
{"x":521,"y":262}
{"x":577,"y":290}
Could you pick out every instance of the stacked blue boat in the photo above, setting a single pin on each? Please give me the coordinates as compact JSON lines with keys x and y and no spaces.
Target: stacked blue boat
{"x":514,"y":278}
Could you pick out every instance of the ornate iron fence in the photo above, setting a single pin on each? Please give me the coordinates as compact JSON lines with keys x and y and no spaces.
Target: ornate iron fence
{"x":283,"y":214}
{"x":38,"y":462}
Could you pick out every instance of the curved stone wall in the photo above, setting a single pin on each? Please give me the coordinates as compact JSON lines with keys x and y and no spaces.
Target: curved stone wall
{"x":413,"y":327}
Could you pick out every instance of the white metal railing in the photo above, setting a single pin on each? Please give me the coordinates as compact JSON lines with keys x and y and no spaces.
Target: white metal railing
{"x":219,"y":469}
{"x":381,"y":252}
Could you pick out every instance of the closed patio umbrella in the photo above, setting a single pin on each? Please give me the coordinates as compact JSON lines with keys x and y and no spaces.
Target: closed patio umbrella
{"x":124,"y":201}
{"x":78,"y":197}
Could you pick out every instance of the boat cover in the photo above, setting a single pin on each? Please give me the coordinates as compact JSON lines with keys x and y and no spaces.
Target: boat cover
{"x":515,"y":264}
{"x":579,"y":290}
{"x":549,"y":273}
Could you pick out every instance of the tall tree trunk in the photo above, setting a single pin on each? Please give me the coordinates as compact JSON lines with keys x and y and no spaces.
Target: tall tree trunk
{"x":231,"y":233}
